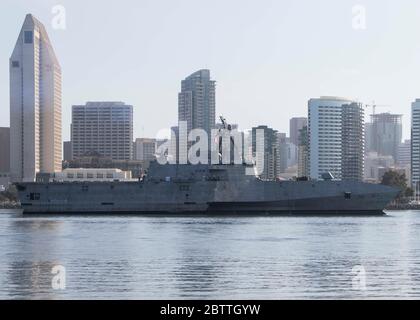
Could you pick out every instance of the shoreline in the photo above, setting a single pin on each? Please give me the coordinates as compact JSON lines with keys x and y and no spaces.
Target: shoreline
{"x":10,"y":205}
{"x":403,"y":207}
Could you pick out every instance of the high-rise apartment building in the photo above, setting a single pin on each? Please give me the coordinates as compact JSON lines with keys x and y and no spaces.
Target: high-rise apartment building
{"x":415,"y":145}
{"x":352,"y":162}
{"x":296,"y":124}
{"x":336,"y":138}
{"x":267,"y":159}
{"x":283,"y":153}
{"x":197,"y":101}
{"x":105,"y":128}
{"x":368,"y":138}
{"x":35,"y":104}
{"x":303,"y":156}
{"x":385,"y":134}
{"x":291,"y":154}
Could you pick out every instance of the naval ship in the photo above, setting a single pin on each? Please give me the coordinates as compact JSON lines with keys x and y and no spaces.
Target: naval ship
{"x":206,"y":189}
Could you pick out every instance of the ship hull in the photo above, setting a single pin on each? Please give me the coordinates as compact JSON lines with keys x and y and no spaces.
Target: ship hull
{"x":216,"y":198}
{"x":204,"y":189}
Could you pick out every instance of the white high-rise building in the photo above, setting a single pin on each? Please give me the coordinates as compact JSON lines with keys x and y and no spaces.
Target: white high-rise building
{"x":336,"y":138}
{"x":415,"y":145}
{"x":35,"y":104}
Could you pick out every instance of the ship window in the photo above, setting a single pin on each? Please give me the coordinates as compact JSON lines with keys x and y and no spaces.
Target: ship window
{"x":85,"y":188}
{"x":184,"y":188}
{"x":15,"y":64}
{"x":347,"y":195}
{"x":34,"y":196}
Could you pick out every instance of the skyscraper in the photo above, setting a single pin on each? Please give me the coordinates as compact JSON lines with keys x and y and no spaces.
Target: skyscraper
{"x":415,"y":145}
{"x":67,"y":151}
{"x":4,"y":150}
{"x":105,"y":128}
{"x":303,"y":153}
{"x":35,"y":104}
{"x":296,"y":124}
{"x":268,"y":160}
{"x":352,"y":141}
{"x":336,"y":138}
{"x":282,"y":153}
{"x":197,"y":101}
{"x":368,"y":138}
{"x":386,"y":134}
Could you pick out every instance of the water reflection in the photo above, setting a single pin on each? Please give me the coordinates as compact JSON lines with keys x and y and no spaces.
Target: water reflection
{"x":30,"y":279}
{"x":30,"y":253}
{"x":202,"y":258}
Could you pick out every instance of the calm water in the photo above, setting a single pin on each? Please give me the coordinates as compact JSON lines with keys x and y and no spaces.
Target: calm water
{"x":204,"y":258}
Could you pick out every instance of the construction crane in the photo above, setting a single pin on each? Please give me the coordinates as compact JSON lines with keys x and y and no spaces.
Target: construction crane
{"x":374,"y":106}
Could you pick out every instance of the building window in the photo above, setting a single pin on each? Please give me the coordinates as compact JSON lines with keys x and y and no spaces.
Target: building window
{"x":15,"y":64}
{"x":28,"y":37}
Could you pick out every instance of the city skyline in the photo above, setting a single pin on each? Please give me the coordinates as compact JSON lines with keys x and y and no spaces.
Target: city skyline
{"x":107,"y":127}
{"x":246,"y":95}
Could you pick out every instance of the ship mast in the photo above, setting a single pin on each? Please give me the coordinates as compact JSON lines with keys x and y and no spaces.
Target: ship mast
{"x":225,"y":129}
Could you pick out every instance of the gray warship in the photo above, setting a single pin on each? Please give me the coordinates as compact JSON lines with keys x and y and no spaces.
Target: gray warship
{"x":205,"y":189}
{"x":225,"y":189}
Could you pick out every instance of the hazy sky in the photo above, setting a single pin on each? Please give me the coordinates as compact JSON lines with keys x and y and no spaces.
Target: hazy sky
{"x":267,"y":56}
